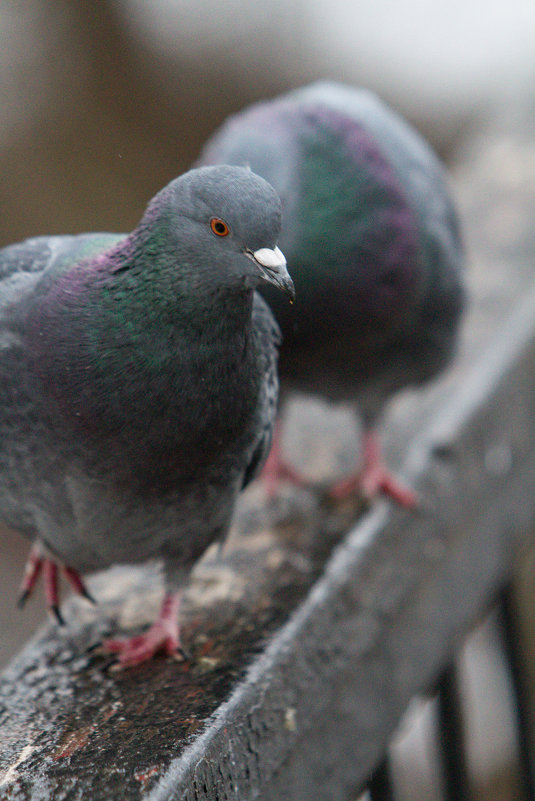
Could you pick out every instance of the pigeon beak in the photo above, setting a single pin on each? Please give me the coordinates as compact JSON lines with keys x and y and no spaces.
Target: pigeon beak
{"x":273,"y":269}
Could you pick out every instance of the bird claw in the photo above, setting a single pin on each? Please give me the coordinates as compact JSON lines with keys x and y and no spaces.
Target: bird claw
{"x":386,"y":484}
{"x":372,"y":482}
{"x":276,"y":469}
{"x":374,"y":479}
{"x":38,"y":563}
{"x":57,"y":614}
{"x":73,"y":577}
{"x":134,"y":651}
{"x":163,"y":635}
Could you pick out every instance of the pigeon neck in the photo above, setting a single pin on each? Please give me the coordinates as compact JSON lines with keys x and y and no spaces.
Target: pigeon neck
{"x":113,"y":353}
{"x":167,"y":297}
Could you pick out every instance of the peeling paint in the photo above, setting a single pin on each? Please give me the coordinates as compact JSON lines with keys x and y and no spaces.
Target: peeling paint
{"x":11,"y":774}
{"x":144,"y":776}
{"x":290,"y":722}
{"x":74,"y":741}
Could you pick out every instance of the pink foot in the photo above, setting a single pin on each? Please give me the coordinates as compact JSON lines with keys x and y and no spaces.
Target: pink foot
{"x":276,"y":470}
{"x":163,"y":635}
{"x":37,"y":563}
{"x":374,"y":479}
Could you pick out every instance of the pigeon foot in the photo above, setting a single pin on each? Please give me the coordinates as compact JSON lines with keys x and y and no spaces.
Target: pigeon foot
{"x":276,"y":470}
{"x":374,"y":479}
{"x":38,"y":563}
{"x":163,"y":635}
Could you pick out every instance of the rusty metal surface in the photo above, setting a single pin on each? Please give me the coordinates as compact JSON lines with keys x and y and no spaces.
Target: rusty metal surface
{"x":306,"y":642}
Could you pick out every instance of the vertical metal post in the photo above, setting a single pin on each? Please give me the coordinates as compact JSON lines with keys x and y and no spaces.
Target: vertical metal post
{"x":512,"y":640}
{"x":380,"y":787}
{"x":452,"y":738}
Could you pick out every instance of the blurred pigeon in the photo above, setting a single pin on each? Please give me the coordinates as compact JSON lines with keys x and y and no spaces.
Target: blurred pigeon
{"x":138,"y":385}
{"x":373,"y":243}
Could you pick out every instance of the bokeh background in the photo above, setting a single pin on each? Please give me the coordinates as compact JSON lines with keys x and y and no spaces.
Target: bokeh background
{"x":103,"y":102}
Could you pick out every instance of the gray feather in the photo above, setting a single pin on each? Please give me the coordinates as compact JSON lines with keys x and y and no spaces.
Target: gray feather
{"x":138,"y":377}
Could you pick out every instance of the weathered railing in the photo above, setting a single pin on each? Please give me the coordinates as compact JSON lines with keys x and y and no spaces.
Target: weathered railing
{"x":313,"y":628}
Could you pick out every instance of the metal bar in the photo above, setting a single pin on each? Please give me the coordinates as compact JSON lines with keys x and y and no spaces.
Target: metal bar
{"x":451,"y":736}
{"x":381,"y":786}
{"x":523,"y":701}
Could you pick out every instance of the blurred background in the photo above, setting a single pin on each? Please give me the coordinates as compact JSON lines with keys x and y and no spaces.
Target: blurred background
{"x":104,"y":102}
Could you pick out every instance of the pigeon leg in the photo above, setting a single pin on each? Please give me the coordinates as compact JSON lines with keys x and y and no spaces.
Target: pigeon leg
{"x":73,"y":577}
{"x":50,"y":575}
{"x":374,"y":478}
{"x":37,"y":563}
{"x":32,"y":570}
{"x":276,"y":469}
{"x":163,"y":635}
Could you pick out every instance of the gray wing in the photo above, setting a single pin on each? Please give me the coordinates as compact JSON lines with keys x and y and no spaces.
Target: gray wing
{"x":268,"y":338}
{"x":21,"y":267}
{"x":22,"y":264}
{"x":23,"y":432}
{"x":31,"y":256}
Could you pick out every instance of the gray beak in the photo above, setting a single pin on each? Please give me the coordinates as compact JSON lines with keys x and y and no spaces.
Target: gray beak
{"x":272,"y":268}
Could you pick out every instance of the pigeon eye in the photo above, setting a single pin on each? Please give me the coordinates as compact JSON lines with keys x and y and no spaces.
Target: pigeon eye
{"x":219,"y":227}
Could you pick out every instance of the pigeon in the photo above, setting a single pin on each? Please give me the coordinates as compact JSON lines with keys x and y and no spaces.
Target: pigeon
{"x":138,"y":386}
{"x":375,"y":249}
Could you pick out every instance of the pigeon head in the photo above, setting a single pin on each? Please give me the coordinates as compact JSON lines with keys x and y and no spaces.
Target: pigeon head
{"x":221,"y":226}
{"x":167,"y":306}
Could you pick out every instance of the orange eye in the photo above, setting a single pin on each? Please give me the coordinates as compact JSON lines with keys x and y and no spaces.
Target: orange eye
{"x":219,"y":227}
